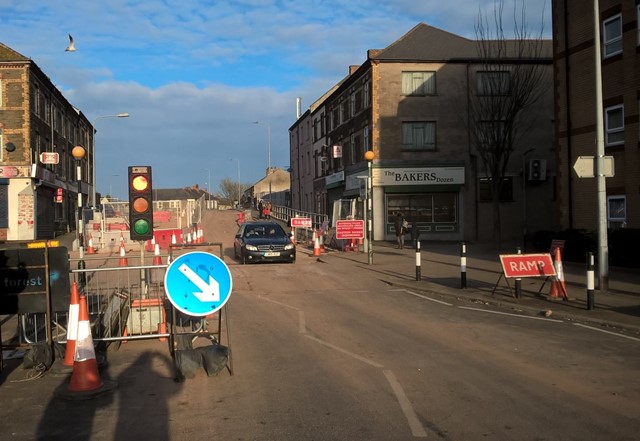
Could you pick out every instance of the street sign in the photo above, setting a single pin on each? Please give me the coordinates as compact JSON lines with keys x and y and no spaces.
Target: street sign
{"x":198,"y":283}
{"x":350,"y":229}
{"x":585,"y":166}
{"x":23,"y":280}
{"x":49,"y":157}
{"x":301,"y":222}
{"x":527,"y":265}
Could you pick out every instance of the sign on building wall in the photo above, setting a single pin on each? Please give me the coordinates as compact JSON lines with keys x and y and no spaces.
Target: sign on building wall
{"x":418,"y":176}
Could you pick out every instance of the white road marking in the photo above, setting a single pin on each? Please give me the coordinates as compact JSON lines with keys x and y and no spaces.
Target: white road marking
{"x":344,"y":351}
{"x":425,"y":297}
{"x":607,"y":332}
{"x":302,"y":324}
{"x":512,"y":315}
{"x":417,"y":429}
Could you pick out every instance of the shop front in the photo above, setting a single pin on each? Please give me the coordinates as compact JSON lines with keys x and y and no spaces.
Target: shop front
{"x":430,"y":198}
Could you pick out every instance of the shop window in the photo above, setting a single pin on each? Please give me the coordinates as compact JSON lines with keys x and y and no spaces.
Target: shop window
{"x":506,"y":190}
{"x":4,"y":203}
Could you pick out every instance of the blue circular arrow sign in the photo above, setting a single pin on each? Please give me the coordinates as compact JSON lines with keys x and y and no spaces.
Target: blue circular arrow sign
{"x":198,"y":283}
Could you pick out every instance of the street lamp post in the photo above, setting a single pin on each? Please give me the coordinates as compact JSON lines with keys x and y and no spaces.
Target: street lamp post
{"x":93,"y":153}
{"x":78,"y":154}
{"x":369,"y":156}
{"x":269,"y":153}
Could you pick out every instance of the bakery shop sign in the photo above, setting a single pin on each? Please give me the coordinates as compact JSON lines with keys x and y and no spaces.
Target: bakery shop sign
{"x":419,"y":176}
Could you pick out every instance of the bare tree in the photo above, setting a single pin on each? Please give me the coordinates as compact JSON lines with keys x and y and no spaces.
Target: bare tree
{"x":232,"y":190}
{"x":512,"y":76}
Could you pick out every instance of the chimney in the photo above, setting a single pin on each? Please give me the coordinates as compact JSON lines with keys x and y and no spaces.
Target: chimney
{"x":298,"y":107}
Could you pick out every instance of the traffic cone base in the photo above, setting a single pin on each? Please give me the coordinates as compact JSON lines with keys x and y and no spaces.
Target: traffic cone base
{"x":90,"y":247}
{"x":85,"y":380}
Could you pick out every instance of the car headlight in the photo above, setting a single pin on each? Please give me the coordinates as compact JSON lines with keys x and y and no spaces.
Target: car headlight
{"x":251,"y":247}
{"x":289,"y":246}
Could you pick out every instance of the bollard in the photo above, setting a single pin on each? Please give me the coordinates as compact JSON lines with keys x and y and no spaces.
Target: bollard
{"x":590,"y":282}
{"x":82,"y":276}
{"x":518,"y":280}
{"x":463,"y":266}
{"x":418,"y":275}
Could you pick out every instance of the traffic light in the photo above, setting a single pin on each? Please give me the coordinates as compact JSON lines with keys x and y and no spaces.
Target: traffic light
{"x":537,"y":170}
{"x":140,"y":203}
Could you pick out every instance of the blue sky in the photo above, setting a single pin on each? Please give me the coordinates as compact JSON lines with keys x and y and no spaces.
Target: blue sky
{"x":195,"y":74}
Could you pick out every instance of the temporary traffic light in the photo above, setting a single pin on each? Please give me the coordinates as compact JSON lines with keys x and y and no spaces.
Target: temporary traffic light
{"x":537,"y":170}
{"x":140,"y":203}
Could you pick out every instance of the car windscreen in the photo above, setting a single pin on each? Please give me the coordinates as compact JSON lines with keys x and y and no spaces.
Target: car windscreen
{"x":264,"y":231}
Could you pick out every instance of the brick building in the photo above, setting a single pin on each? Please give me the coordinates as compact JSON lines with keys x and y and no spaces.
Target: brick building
{"x":575,"y":98}
{"x":38,"y":130}
{"x":410,"y":104}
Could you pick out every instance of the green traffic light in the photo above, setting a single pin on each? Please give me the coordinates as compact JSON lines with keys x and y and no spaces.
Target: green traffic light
{"x":141,"y":226}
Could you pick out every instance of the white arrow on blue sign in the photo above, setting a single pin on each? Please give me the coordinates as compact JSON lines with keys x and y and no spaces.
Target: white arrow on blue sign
{"x":198,"y":283}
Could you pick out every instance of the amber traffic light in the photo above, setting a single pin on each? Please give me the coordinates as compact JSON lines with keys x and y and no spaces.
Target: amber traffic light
{"x":140,"y":203}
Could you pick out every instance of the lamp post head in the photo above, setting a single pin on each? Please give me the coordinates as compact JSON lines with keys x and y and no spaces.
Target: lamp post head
{"x":369,"y":155}
{"x":122,"y":115}
{"x":78,"y":152}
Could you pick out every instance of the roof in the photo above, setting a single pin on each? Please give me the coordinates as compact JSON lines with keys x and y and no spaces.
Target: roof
{"x":427,"y":43}
{"x":179,"y":194}
{"x":7,"y":54}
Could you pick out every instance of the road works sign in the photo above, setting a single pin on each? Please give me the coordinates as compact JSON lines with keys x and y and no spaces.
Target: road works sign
{"x":301,"y":222}
{"x":198,"y":283}
{"x":585,"y":166}
{"x":350,"y":229}
{"x":527,"y":265}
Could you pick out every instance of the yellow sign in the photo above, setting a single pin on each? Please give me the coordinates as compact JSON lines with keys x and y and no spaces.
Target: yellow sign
{"x":43,"y":244}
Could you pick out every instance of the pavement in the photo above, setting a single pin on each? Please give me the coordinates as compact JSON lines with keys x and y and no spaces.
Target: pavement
{"x":440,"y":274}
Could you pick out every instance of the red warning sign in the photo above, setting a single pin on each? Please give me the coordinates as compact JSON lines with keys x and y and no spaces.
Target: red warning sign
{"x":527,"y":265}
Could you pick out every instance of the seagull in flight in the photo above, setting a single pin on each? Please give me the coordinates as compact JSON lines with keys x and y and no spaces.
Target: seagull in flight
{"x":71,"y":47}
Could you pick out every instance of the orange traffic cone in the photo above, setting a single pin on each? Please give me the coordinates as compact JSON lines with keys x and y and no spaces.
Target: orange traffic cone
{"x":321,"y":240}
{"x":85,"y":380}
{"x":121,"y":239}
{"x":316,"y":245}
{"x":72,"y":326}
{"x":558,"y":287}
{"x":293,"y":236}
{"x":173,"y":239}
{"x":156,"y":256}
{"x":90,"y":247}
{"x":123,"y":256}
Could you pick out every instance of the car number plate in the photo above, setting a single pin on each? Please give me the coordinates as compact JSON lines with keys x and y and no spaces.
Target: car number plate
{"x":271,"y":253}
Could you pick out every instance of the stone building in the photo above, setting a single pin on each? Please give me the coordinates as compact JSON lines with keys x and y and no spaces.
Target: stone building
{"x":38,"y":130}
{"x":410,"y":105}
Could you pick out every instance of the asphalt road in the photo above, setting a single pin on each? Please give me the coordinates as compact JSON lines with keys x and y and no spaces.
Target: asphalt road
{"x":332,"y":352}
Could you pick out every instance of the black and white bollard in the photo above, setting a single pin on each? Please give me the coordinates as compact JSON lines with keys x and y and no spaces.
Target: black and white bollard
{"x":590,"y":281}
{"x":463,"y":266}
{"x":418,"y":275}
{"x":518,"y":280}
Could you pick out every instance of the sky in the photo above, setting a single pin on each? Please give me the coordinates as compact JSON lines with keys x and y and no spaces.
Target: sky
{"x":195,"y":75}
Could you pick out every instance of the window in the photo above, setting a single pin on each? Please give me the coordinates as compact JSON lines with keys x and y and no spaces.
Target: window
{"x":4,"y":203}
{"x":638,"y":22}
{"x":506,"y":191}
{"x":616,"y":211}
{"x":612,"y":35}
{"x":418,"y":83}
{"x":419,"y":135}
{"x":356,"y":102}
{"x":614,"y":125}
{"x":367,"y":95}
{"x":494,"y":83}
{"x":365,"y":137}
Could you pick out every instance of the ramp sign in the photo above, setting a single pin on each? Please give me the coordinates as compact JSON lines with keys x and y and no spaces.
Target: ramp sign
{"x":198,"y":283}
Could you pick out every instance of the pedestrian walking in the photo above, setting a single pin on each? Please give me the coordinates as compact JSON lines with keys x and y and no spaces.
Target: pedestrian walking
{"x":400,"y":226}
